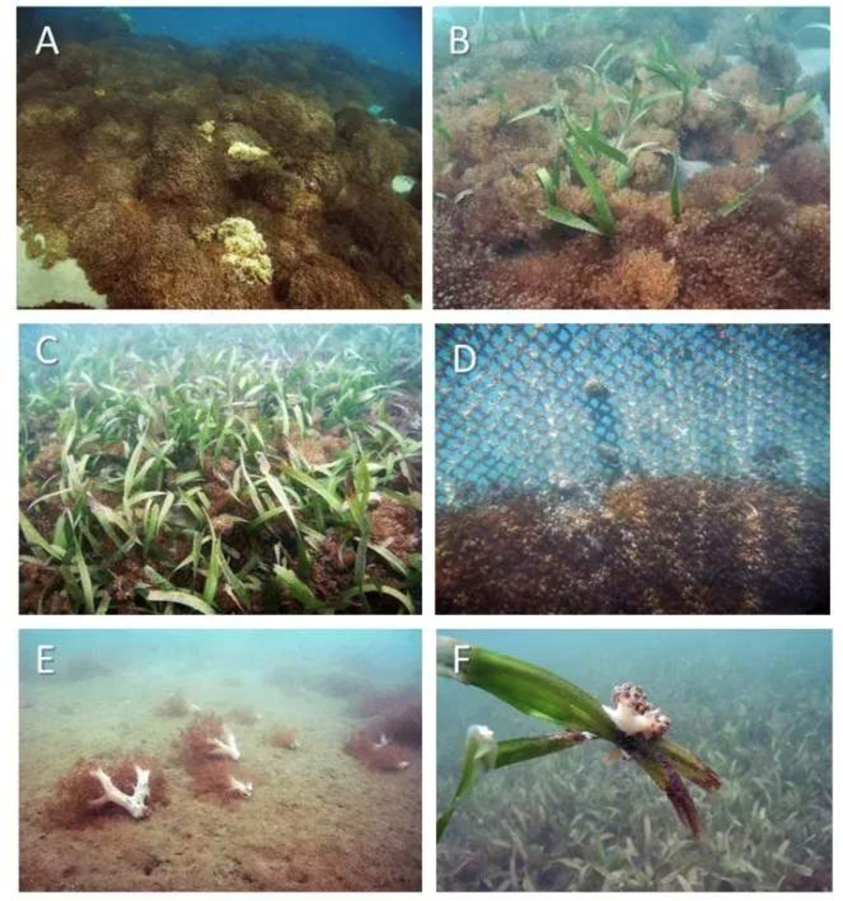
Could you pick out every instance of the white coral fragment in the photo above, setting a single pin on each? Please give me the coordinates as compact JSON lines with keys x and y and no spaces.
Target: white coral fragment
{"x":244,"y":789}
{"x":245,"y":249}
{"x":246,"y":153}
{"x":206,"y":130}
{"x":135,"y":804}
{"x":225,"y":746}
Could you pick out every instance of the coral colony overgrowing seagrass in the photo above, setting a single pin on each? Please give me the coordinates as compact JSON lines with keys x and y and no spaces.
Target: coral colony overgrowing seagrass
{"x":584,"y":821}
{"x":226,"y":158}
{"x":136,"y":750}
{"x":250,"y":469}
{"x":632,"y":469}
{"x":629,"y":158}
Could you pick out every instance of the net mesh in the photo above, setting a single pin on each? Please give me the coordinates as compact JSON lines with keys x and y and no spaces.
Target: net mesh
{"x":551,"y":405}
{"x":633,"y":469}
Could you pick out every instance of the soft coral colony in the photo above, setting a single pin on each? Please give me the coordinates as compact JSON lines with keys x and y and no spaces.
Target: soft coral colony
{"x":270,"y":484}
{"x":580,"y":165}
{"x":635,"y":726}
{"x":206,"y":759}
{"x":251,"y":177}
{"x":135,"y":783}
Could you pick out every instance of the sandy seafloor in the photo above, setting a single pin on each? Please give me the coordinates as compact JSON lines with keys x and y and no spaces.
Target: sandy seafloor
{"x":318,"y":819}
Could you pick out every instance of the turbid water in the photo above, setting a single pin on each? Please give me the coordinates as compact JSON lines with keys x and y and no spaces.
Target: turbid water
{"x":755,"y":705}
{"x":318,"y":819}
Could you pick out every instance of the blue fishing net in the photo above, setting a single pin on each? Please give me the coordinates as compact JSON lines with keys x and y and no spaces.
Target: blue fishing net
{"x":572,"y":410}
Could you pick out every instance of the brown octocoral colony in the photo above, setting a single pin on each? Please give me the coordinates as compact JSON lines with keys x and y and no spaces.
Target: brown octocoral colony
{"x":144,"y":164}
{"x":198,"y":741}
{"x":283,"y":739}
{"x":392,"y":735}
{"x":173,"y":706}
{"x":209,"y":754}
{"x":244,"y":716}
{"x":753,"y":231}
{"x":72,"y":805}
{"x":657,"y":545}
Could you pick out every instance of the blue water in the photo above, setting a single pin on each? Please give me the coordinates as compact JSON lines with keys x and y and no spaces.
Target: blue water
{"x":386,"y":35}
{"x":74,"y":344}
{"x":386,"y":658}
{"x":728,"y":661}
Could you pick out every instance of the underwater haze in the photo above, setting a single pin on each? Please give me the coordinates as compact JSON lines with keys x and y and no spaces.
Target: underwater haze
{"x":633,"y":469}
{"x":312,"y":812}
{"x":755,"y":705}
{"x":388,"y":36}
{"x":220,"y":469}
{"x":632,"y":158}
{"x":199,"y":158}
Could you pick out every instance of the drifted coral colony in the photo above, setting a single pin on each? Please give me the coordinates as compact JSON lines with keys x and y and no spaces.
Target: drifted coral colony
{"x":390,"y":738}
{"x":246,"y":178}
{"x":656,"y":545}
{"x":135,"y":785}
{"x":210,"y":754}
{"x":752,"y":231}
{"x":97,"y":789}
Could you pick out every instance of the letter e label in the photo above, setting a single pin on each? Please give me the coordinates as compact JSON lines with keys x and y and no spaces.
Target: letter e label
{"x":44,"y":660}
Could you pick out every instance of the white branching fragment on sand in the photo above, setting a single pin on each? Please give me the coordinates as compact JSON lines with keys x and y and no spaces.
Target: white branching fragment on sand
{"x":135,"y":804}
{"x":633,"y":714}
{"x":225,"y":746}
{"x":244,"y":789}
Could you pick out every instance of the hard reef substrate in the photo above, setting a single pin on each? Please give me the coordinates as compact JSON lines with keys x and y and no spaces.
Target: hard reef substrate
{"x":125,"y":165}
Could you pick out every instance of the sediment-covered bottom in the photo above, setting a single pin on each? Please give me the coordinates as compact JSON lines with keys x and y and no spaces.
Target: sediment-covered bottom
{"x":318,"y":819}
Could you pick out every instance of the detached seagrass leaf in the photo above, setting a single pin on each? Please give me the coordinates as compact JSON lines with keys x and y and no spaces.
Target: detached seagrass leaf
{"x":687,"y":764}
{"x":481,"y":750}
{"x":483,"y":753}
{"x":517,"y":750}
{"x":540,"y":693}
{"x":670,"y":782}
{"x":530,"y":689}
{"x":185,"y":598}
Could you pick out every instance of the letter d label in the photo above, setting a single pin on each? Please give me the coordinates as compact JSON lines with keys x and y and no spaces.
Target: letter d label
{"x":465,"y":359}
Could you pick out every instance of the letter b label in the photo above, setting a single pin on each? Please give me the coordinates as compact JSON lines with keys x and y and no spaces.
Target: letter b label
{"x":459,"y":40}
